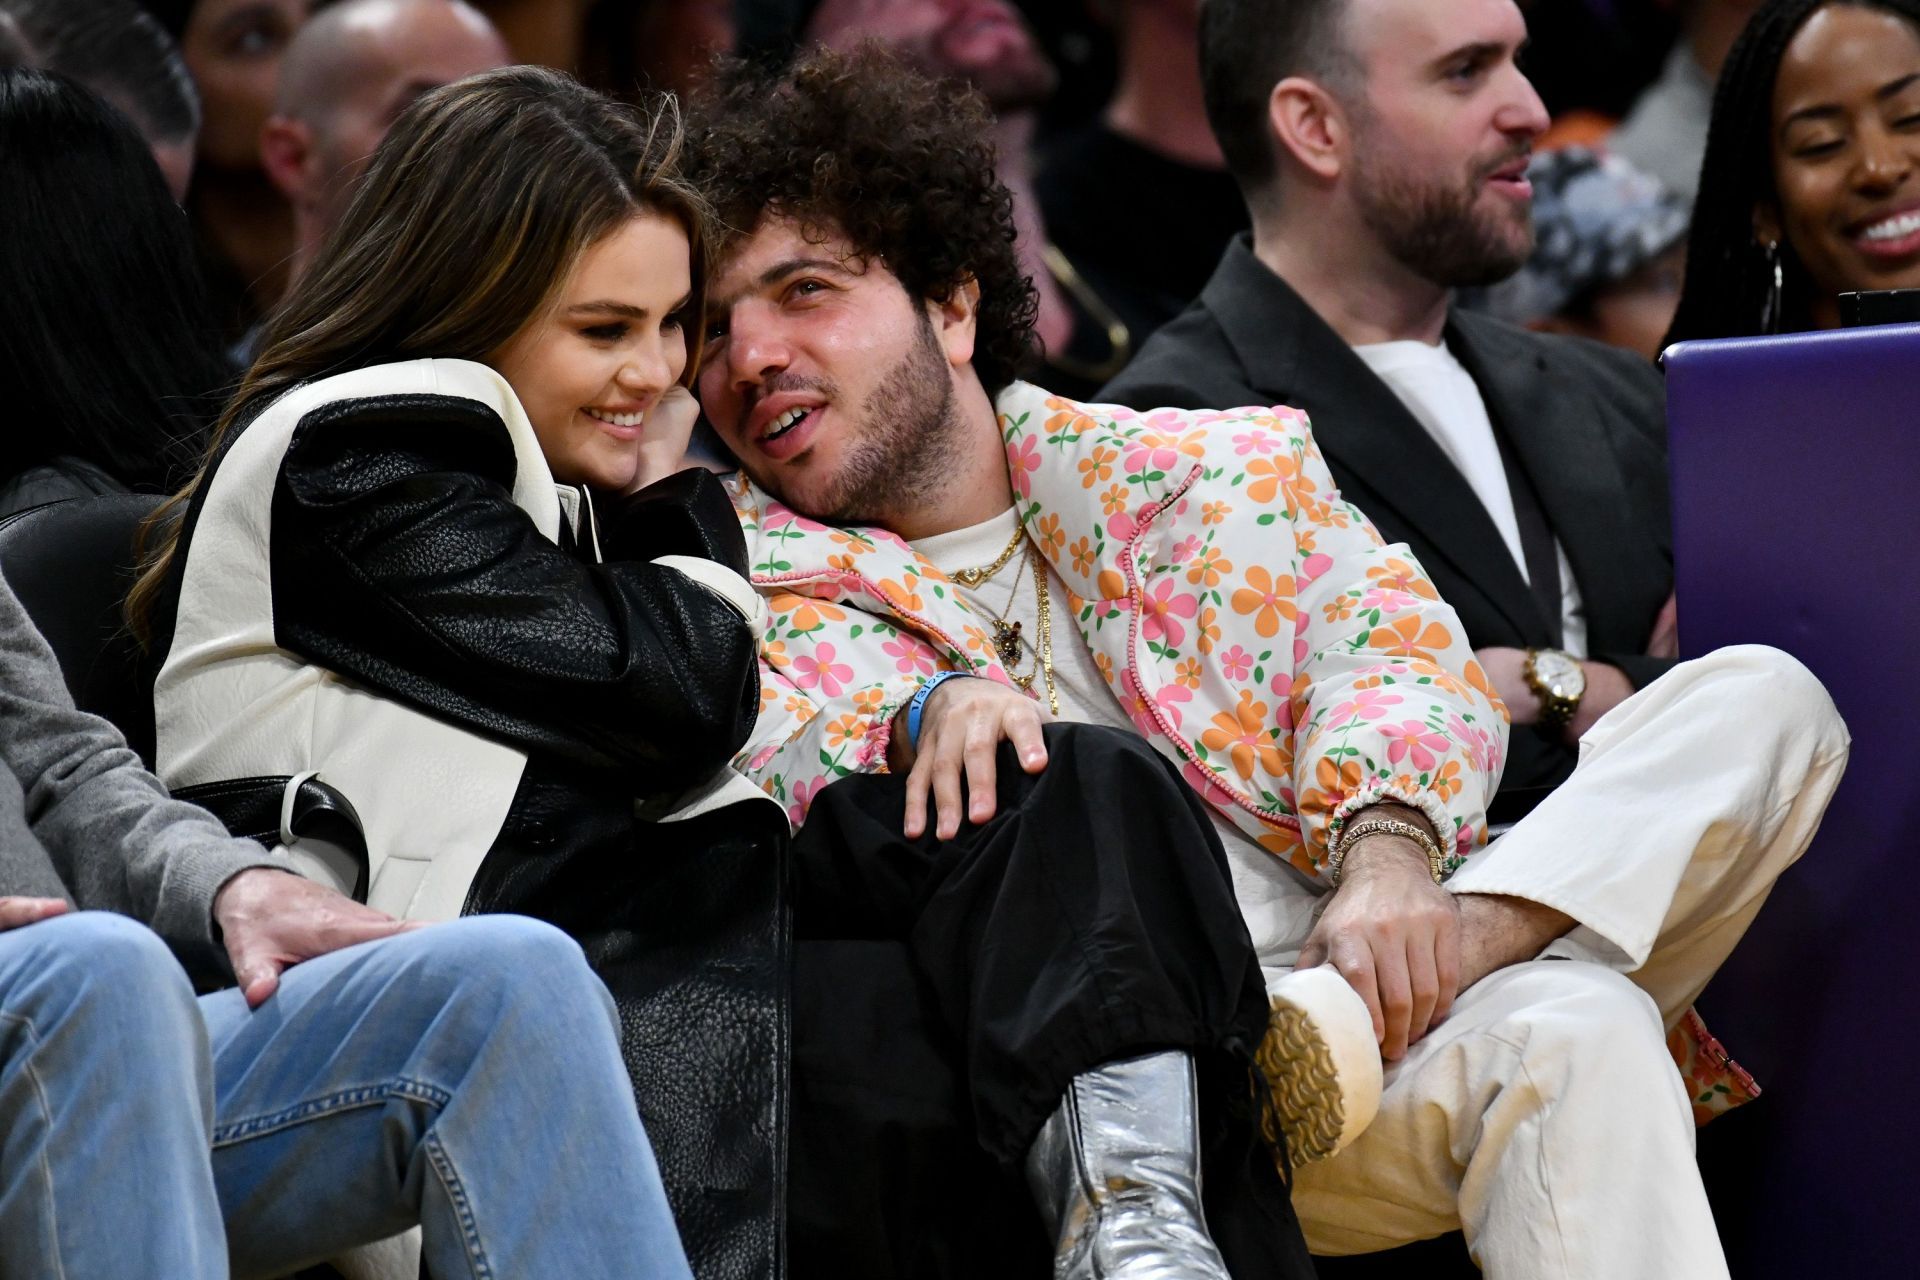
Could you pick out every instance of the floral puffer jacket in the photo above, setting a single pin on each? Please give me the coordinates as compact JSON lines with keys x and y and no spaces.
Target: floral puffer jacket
{"x":1252,"y":624}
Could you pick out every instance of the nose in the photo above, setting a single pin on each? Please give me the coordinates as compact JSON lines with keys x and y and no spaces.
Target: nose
{"x":1523,"y":114}
{"x":653,"y":366}
{"x":1886,"y":162}
{"x":756,"y":349}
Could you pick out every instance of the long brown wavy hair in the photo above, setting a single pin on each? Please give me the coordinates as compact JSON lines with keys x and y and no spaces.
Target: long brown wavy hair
{"x":469,"y":218}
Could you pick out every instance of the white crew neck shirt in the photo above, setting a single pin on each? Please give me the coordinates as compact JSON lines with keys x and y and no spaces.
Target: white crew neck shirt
{"x":1442,"y":396}
{"x":1276,"y":901}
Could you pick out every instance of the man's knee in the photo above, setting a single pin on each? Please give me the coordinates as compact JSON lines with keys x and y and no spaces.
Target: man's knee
{"x":1576,"y":1008}
{"x":503,"y":958}
{"x":1108,"y":761}
{"x":1758,"y":678}
{"x":101,"y":965}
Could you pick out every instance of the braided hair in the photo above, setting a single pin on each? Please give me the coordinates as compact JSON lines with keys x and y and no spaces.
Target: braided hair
{"x":1729,"y":274}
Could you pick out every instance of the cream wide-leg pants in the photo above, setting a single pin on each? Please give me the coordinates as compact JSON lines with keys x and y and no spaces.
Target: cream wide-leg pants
{"x":1544,"y":1117}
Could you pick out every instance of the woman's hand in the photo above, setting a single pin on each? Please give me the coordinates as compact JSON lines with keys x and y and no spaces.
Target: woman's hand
{"x":962,"y":725}
{"x":664,"y":436}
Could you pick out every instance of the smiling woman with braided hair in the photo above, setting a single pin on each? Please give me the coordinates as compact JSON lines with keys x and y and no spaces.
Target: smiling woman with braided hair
{"x":1811,"y":183}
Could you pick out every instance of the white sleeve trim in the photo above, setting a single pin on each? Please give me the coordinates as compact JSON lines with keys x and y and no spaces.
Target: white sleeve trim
{"x":725,"y":583}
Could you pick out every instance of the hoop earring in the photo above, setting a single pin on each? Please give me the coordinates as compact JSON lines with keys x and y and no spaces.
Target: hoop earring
{"x":1771,"y":314}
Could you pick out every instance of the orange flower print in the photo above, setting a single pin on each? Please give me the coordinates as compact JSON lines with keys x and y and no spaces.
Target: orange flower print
{"x":1247,"y":739}
{"x":807,"y":613}
{"x":1478,"y":679}
{"x":1214,"y":512}
{"x":1097,"y":467}
{"x":867,"y":701}
{"x":800,"y":708}
{"x":1067,"y":420}
{"x":1104,"y":665}
{"x":853,"y":546}
{"x":904,"y":594}
{"x":978,"y":640}
{"x":1111,"y":585}
{"x":1209,"y":567}
{"x":774,"y":654}
{"x":1406,"y":639}
{"x":1332,"y":784}
{"x":1053,"y":539}
{"x":1305,"y":541}
{"x":1209,"y":629}
{"x":1339,"y":609}
{"x":1114,"y":500}
{"x":841,"y":562}
{"x":848,"y":728}
{"x":1188,"y":673}
{"x":1083,"y":556}
{"x":1269,"y":597}
{"x":1398,"y":575}
{"x":1446,"y":783}
{"x":1266,"y":475}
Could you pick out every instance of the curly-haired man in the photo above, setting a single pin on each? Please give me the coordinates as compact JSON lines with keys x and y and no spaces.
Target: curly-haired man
{"x":1192,"y":582}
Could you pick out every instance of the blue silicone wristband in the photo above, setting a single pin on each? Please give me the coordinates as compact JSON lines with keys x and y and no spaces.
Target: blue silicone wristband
{"x":918,"y":703}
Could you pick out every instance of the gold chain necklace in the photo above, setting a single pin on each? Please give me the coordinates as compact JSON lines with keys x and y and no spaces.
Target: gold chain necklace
{"x":971,"y":578}
{"x":1006,"y":635}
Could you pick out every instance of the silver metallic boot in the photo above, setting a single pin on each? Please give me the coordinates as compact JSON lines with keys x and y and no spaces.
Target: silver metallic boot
{"x":1116,"y":1172}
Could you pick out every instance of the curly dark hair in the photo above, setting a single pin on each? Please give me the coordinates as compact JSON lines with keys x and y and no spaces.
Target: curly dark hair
{"x":862,"y":146}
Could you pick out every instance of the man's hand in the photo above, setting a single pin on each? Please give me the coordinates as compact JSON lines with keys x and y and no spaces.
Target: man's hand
{"x":1394,"y":935}
{"x":272,"y":920}
{"x":1665,"y":640}
{"x":962,"y":725}
{"x":15,"y":912}
{"x":664,"y":436}
{"x":1607,"y":688}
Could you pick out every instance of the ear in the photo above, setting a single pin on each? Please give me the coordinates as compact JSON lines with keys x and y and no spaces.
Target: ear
{"x":956,"y":321}
{"x":286,"y":150}
{"x":1766,"y":222}
{"x":1311,"y":126}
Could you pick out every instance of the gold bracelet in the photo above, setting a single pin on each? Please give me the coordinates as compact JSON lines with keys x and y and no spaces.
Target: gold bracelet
{"x":1337,"y":852}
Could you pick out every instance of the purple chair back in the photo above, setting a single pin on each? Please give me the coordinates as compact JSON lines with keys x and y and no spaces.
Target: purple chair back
{"x":1796,"y":506}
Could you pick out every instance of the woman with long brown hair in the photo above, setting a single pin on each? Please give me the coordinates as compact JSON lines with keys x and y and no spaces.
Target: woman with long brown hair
{"x":439,"y":582}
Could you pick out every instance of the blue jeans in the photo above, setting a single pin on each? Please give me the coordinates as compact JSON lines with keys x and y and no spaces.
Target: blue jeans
{"x":466,"y":1077}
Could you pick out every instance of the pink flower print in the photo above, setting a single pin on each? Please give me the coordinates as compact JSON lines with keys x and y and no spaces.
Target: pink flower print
{"x":819,"y":668}
{"x":1368,"y":704}
{"x":1152,"y":452}
{"x":1122,"y":527}
{"x":1185,"y":549}
{"x":1140,"y":708}
{"x":1314,"y":567}
{"x":1386,"y":600}
{"x":1254,"y":442}
{"x":910,"y":657}
{"x":803,"y":794}
{"x":1023,"y":460}
{"x":1413,"y":742}
{"x":1237,"y":663}
{"x":1162,"y":609}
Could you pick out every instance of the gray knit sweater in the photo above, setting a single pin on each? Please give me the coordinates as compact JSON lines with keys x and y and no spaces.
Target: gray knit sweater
{"x":80,"y":818}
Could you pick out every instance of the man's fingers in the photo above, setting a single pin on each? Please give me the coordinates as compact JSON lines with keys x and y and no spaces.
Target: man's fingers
{"x":946,"y":795}
{"x":1354,"y":962}
{"x":1423,"y":983}
{"x":1022,"y":728}
{"x":982,"y":789}
{"x":1396,"y":998}
{"x":917,"y":783}
{"x":17,"y":911}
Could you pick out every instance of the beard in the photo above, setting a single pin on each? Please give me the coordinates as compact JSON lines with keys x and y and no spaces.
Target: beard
{"x":907,"y":443}
{"x":1438,"y":230}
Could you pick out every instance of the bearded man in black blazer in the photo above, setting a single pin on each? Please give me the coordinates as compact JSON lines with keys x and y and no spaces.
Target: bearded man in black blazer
{"x":1383,"y":158}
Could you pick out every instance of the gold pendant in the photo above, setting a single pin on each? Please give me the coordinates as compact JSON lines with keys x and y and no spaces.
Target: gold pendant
{"x":1006,"y":641}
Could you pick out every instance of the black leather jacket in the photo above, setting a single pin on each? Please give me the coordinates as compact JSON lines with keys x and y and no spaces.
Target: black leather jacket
{"x":400,"y":561}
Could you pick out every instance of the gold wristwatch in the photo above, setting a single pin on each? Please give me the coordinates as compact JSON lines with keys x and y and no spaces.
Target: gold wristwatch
{"x":1559,"y":681}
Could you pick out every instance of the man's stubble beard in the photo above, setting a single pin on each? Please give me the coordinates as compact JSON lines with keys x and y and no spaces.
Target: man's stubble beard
{"x":909,"y":440}
{"x":1438,"y":231}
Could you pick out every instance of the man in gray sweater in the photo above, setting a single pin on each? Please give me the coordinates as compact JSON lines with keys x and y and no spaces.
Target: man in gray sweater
{"x":366,"y":1075}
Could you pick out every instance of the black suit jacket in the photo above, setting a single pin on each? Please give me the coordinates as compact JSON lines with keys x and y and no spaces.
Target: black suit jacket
{"x":1587,"y":424}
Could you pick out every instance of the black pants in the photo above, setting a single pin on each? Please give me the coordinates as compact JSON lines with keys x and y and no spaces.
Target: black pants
{"x":946,"y":992}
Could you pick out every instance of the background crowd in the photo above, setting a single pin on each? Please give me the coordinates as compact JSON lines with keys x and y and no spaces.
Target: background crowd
{"x":1673,"y":177}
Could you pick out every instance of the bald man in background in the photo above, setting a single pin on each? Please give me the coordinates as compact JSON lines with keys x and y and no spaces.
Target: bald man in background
{"x":351,"y":70}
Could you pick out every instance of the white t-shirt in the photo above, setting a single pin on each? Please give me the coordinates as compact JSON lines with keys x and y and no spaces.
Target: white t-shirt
{"x":1439,"y":392}
{"x":1276,"y":901}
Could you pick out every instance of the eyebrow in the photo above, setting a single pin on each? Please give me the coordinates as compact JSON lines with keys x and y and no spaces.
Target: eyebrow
{"x":778,"y":272}
{"x":623,"y":309}
{"x":1478,"y":51}
{"x":1828,"y":109}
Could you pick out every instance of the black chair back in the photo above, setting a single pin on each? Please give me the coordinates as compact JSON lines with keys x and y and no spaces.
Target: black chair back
{"x":71,"y":564}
